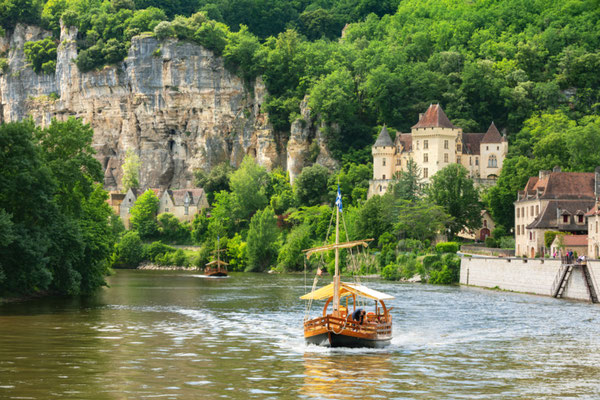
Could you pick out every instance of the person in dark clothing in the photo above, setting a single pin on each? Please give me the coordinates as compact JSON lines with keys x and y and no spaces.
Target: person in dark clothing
{"x":359,"y":315}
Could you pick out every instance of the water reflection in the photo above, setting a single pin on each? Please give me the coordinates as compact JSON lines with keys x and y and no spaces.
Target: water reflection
{"x":345,"y":376}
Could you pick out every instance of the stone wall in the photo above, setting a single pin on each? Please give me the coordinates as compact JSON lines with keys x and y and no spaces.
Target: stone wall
{"x":534,"y":276}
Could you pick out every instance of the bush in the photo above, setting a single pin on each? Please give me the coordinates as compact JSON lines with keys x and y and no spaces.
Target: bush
{"x":491,"y":242}
{"x":129,"y":251}
{"x":42,"y":55}
{"x":391,"y":272}
{"x":506,"y":242}
{"x":446,"y":247}
{"x":413,"y":245}
{"x":3,"y":64}
{"x":155,"y":249}
{"x":164,"y":30}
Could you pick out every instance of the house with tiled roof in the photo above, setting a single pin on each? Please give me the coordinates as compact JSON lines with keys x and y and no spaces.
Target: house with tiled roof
{"x":128,"y":202}
{"x":578,"y":244}
{"x":434,"y":143}
{"x":183,"y":203}
{"x":553,"y":201}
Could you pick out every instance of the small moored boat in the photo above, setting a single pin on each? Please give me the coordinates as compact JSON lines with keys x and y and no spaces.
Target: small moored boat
{"x":216,"y":267}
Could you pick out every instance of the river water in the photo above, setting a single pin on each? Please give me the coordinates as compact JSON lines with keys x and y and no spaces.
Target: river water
{"x":177,"y":335}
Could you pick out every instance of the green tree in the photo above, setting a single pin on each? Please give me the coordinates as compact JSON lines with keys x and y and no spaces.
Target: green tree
{"x":375,"y":217}
{"x":131,"y":171}
{"x":172,"y":230}
{"x":290,"y":256}
{"x":215,"y":180}
{"x":42,"y":55}
{"x":248,"y":185}
{"x":129,"y":252}
{"x":452,"y":189}
{"x":408,"y":184}
{"x":261,"y":249}
{"x":310,"y":187}
{"x":419,"y":219}
{"x":143,"y":215}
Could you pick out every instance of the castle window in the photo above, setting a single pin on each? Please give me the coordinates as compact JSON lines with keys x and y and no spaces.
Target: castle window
{"x":384,"y":162}
{"x":186,"y":210}
{"x":383,"y":176}
{"x":497,"y":147}
{"x":596,"y":226}
{"x":425,"y":173}
{"x":425,"y":144}
{"x":398,"y":161}
{"x":492,"y":162}
{"x":425,"y":157}
{"x":445,"y":144}
{"x":470,"y":160}
{"x":485,"y":223}
{"x":537,"y":210}
{"x":380,"y":188}
{"x":446,"y":157}
{"x":458,"y":159}
{"x":476,"y":160}
{"x":518,"y":229}
{"x":459,"y":148}
{"x":518,"y":213}
{"x":487,"y":147}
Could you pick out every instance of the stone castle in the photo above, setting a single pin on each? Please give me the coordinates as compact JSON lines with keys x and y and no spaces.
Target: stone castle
{"x":434,"y":143}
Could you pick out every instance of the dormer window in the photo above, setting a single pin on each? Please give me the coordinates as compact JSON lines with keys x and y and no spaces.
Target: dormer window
{"x":565,"y":219}
{"x":580,"y":219}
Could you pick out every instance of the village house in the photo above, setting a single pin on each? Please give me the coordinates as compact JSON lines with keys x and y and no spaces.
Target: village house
{"x":553,"y":201}
{"x":433,"y":144}
{"x":129,"y":201}
{"x":183,"y":203}
{"x":486,"y":229}
{"x":114,"y":201}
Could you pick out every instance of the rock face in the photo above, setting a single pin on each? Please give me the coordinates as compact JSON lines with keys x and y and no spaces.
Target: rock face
{"x":173,"y":103}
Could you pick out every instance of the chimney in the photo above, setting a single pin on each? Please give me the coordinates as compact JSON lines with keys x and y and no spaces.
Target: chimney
{"x":420,"y":116}
{"x":556,"y":169}
{"x":543,"y":174}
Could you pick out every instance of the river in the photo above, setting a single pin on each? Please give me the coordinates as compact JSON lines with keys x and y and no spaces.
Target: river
{"x":178,"y":335}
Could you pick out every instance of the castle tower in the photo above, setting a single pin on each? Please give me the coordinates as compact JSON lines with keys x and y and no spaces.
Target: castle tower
{"x":493,"y":148}
{"x":383,"y":162}
{"x":435,"y":142}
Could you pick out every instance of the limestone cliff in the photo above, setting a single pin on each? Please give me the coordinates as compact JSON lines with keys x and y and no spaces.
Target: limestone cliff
{"x":173,"y":103}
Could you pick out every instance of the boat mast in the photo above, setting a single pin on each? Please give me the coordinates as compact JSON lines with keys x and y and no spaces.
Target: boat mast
{"x":336,"y":277}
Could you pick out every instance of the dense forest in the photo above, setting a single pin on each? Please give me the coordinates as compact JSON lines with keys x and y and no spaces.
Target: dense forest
{"x":531,"y":66}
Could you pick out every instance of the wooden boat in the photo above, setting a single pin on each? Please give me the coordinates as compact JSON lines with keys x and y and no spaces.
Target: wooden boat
{"x":216,"y":267}
{"x":338,"y":328}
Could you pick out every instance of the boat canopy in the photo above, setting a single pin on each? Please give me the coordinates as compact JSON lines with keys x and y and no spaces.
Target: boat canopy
{"x":216,"y":262}
{"x":346,"y":289}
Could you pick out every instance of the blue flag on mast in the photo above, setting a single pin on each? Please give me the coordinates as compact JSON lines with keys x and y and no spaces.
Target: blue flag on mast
{"x":338,"y":199}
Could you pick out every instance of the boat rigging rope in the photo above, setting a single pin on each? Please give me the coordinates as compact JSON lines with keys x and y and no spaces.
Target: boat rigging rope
{"x":330,"y":329}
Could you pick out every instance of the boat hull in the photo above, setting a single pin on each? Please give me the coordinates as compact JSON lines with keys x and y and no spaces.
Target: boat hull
{"x":333,"y":331}
{"x":330,"y":339}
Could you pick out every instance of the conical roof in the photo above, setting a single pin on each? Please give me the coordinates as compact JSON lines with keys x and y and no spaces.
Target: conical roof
{"x":492,"y":135}
{"x":384,"y":139}
{"x":434,"y":117}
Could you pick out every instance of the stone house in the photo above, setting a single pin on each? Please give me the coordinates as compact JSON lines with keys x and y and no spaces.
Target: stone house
{"x":593,"y":220}
{"x":129,"y":201}
{"x":183,"y":203}
{"x":433,"y":144}
{"x":553,"y":201}
{"x":578,"y":244}
{"x":487,"y":227}
{"x":114,"y":201}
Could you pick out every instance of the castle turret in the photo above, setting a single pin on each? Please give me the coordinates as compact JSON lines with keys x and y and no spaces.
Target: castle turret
{"x":383,"y":153}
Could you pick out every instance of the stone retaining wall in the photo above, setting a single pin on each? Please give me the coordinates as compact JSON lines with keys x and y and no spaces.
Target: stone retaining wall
{"x":534,"y":276}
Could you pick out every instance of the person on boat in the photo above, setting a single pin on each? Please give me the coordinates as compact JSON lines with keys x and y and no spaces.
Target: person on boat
{"x":359,"y":315}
